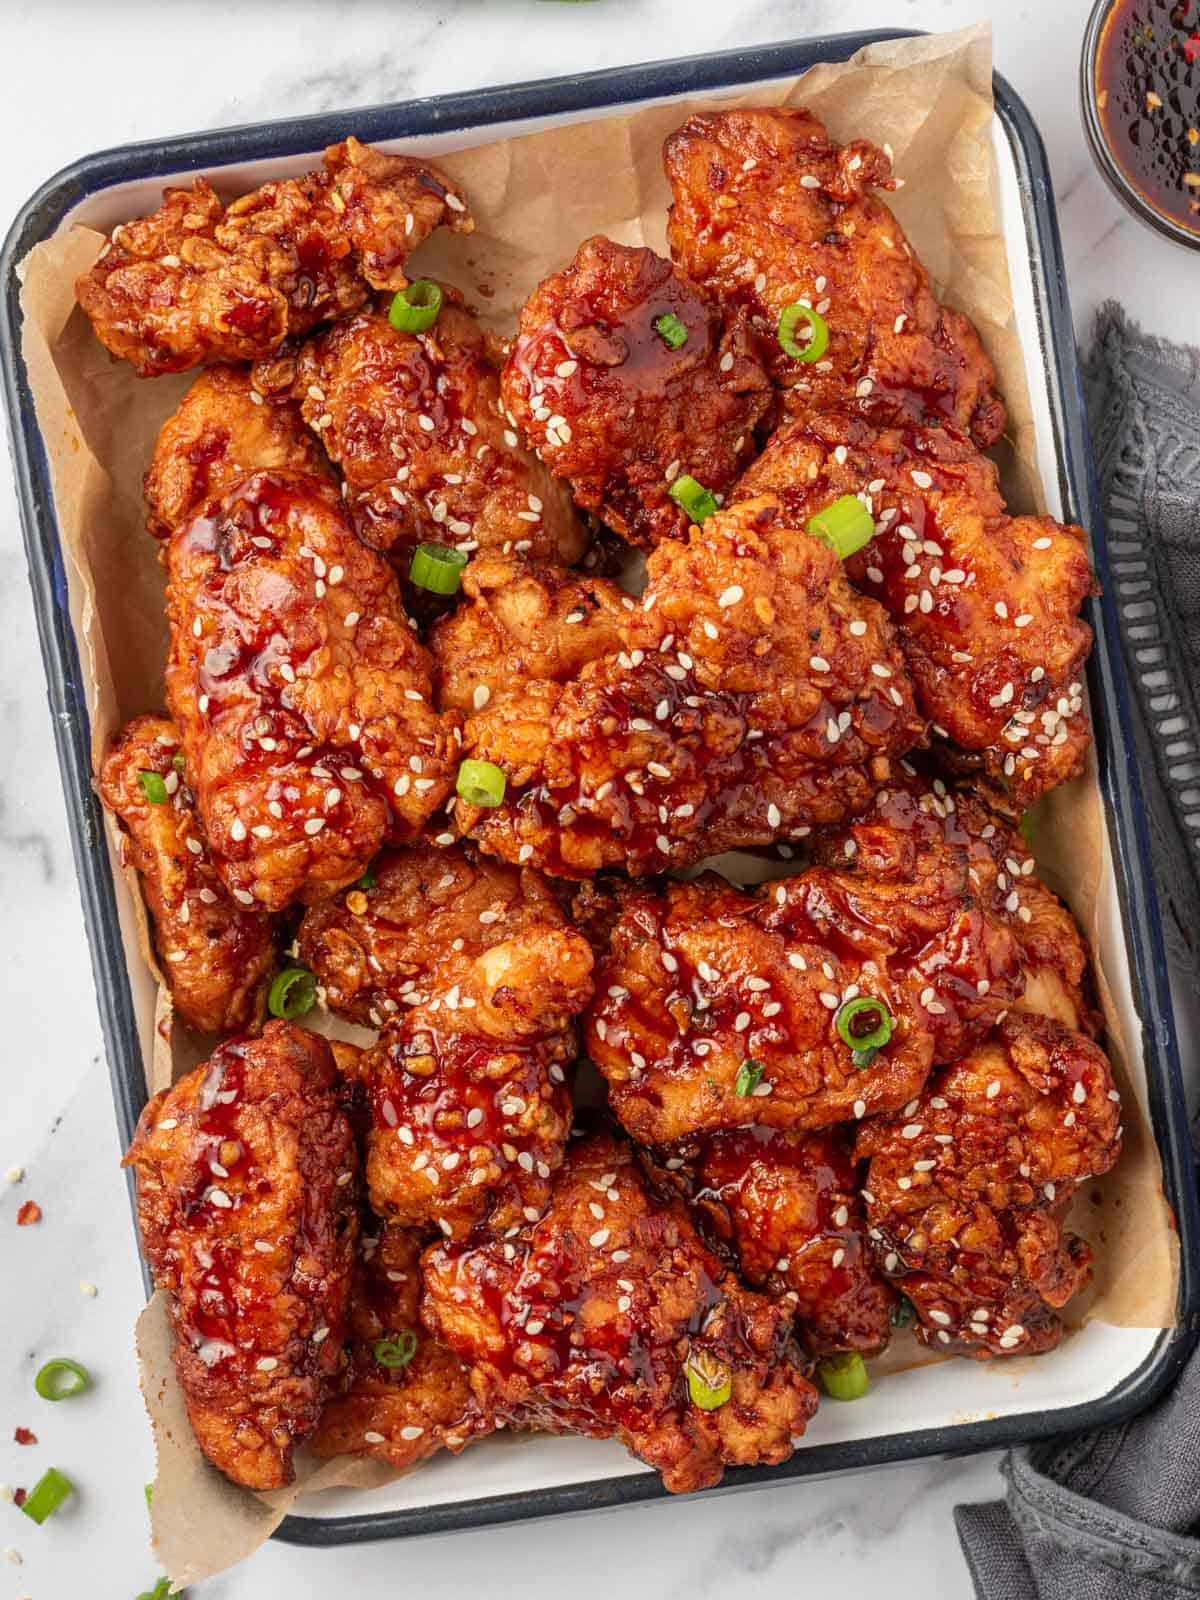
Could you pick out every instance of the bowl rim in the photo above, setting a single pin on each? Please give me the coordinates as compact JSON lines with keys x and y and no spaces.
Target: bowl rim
{"x":1109,"y":167}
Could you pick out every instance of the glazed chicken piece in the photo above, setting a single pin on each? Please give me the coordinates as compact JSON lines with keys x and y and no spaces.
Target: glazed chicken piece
{"x":609,"y":1317}
{"x":215,"y":955}
{"x":755,"y":695}
{"x":717,"y":1007}
{"x":986,"y":605}
{"x":788,"y":1205}
{"x":300,"y":691}
{"x":222,"y":432}
{"x":246,"y":1199}
{"x":198,"y":282}
{"x":399,"y":1410}
{"x":967,"y":1190}
{"x":917,"y":815}
{"x":415,"y":423}
{"x":528,"y":627}
{"x":769,"y":213}
{"x":475,"y":975}
{"x":621,"y":408}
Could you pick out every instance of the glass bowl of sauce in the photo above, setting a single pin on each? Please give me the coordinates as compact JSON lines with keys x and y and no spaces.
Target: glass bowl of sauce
{"x":1141,"y":109}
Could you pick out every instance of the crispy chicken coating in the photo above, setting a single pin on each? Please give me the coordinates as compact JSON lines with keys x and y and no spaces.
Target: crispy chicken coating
{"x":415,"y":423}
{"x":611,"y":406}
{"x":588,"y":1321}
{"x":248,"y":1212}
{"x":198,"y":282}
{"x":222,"y":432}
{"x":476,"y":975}
{"x":717,"y":1007}
{"x":769,"y":213}
{"x":967,"y":1190}
{"x":300,"y":691}
{"x":789,"y":1206}
{"x":214,"y":954}
{"x":755,"y":695}
{"x":986,"y":605}
{"x":527,"y":627}
{"x":915,"y":816}
{"x":401,"y":1414}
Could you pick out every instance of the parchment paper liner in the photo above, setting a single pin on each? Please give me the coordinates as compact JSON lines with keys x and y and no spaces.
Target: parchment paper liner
{"x":534,"y":199}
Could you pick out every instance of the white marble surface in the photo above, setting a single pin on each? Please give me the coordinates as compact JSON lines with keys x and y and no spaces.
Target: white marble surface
{"x":79,"y":77}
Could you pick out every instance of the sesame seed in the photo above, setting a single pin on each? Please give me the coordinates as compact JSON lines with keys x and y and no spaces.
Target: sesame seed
{"x":860,"y":1108}
{"x":993,"y":1088}
{"x":731,"y":596}
{"x":599,"y":1238}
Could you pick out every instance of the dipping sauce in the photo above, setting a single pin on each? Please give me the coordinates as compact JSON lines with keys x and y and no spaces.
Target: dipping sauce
{"x":1148,"y":102}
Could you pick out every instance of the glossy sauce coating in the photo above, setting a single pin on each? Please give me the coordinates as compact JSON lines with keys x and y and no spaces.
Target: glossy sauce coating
{"x":215,"y":954}
{"x":584,"y":1320}
{"x":246,"y":1177}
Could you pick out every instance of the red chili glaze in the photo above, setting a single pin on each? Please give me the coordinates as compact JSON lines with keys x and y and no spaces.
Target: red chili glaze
{"x":1148,"y":99}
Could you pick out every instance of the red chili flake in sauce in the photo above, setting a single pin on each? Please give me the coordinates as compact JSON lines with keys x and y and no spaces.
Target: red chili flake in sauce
{"x":24,"y":1436}
{"x":28,"y":1214}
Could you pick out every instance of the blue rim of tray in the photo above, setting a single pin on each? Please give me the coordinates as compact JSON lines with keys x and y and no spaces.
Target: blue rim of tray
{"x":1116,"y":752}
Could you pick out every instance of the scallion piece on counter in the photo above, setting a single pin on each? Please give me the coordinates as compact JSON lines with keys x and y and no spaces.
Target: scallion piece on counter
{"x":481,"y":783}
{"x":670,"y":330}
{"x":416,"y":308}
{"x":709,"y":1381}
{"x":293,"y":993}
{"x":153,"y":788}
{"x":437,"y":568}
{"x":47,"y":1494}
{"x":61,"y":1379}
{"x":397,"y":1351}
{"x":817,"y":342}
{"x":845,"y":526}
{"x":693,"y":497}
{"x":844,"y":1377}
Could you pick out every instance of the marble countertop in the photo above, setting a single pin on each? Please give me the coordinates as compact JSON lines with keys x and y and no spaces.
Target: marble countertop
{"x":82,"y":77}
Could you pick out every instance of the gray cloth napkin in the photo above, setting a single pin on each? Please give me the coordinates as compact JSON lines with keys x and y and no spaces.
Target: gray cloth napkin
{"x":1115,"y":1515}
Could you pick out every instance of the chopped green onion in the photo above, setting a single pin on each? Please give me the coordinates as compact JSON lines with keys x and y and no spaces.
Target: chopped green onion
{"x":1027,"y":826}
{"x":293,"y":993}
{"x":396,"y":1352}
{"x":845,"y":526}
{"x":367,"y":881}
{"x":481,"y":783}
{"x":693,"y":497}
{"x":709,"y":1381}
{"x":862,"y":1059}
{"x":153,"y":788}
{"x":436,"y":567}
{"x":904,"y":1313}
{"x":844,"y":1377}
{"x":818,"y":339}
{"x":177,"y":761}
{"x":62,"y":1379}
{"x":670,"y":330}
{"x":160,"y":1591}
{"x":864,"y":1024}
{"x":748,"y":1077}
{"x":416,"y":308}
{"x":47,"y":1494}
{"x":149,"y":1487}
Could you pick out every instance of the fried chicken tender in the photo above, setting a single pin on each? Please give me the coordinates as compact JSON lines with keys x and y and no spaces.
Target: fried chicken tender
{"x":986,"y":605}
{"x":768,"y":213}
{"x":529,"y":626}
{"x":589,"y":1321}
{"x":198,"y":282}
{"x":611,"y":406}
{"x":400,"y":1414}
{"x":222,"y":432}
{"x":717,"y":1007}
{"x":967,"y":1190}
{"x":915,"y":816}
{"x":789,"y":1206}
{"x":246,"y":1200}
{"x":214,"y":954}
{"x":755,"y":695}
{"x":300,"y":691}
{"x":415,"y":423}
{"x":475,"y":974}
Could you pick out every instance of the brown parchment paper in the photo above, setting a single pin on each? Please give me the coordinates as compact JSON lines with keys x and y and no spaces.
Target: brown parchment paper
{"x":534,"y":199}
